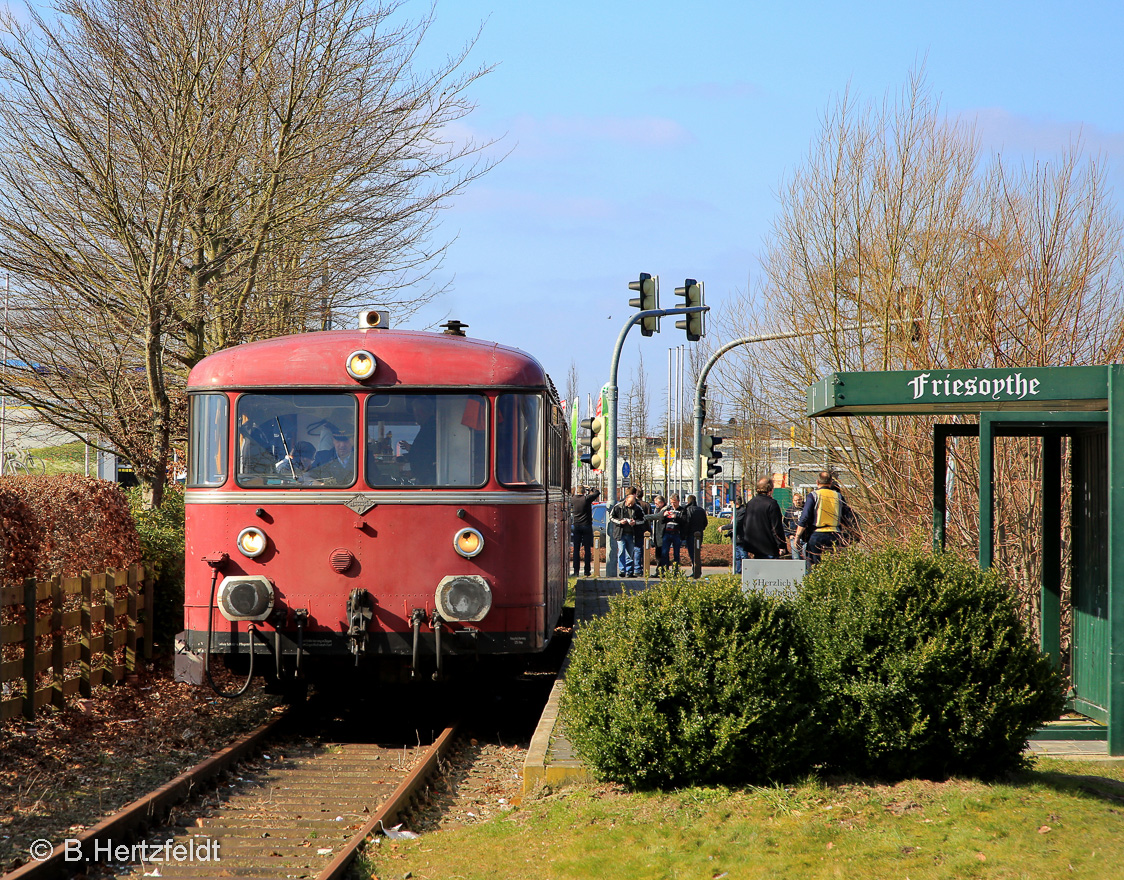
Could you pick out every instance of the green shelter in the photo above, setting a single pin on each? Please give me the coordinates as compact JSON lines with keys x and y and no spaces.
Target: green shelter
{"x":1085,"y":404}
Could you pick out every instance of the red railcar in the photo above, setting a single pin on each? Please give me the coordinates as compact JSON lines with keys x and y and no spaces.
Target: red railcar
{"x":373,"y":493}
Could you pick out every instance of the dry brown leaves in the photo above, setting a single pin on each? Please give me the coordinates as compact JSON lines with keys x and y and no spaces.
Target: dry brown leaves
{"x":69,"y":768}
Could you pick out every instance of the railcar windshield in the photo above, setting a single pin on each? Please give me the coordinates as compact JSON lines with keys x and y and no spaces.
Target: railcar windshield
{"x":296,"y":440}
{"x":519,"y":453}
{"x":207,"y":452}
{"x":427,"y":439}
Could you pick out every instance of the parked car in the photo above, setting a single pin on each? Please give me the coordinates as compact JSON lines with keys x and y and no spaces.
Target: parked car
{"x":599,"y":519}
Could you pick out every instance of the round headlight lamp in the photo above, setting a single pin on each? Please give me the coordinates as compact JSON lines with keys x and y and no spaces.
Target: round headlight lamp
{"x":361,"y":365}
{"x":252,"y":542}
{"x":462,"y":598}
{"x":245,"y":597}
{"x":468,"y":542}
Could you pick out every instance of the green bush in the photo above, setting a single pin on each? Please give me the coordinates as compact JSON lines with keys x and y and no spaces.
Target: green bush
{"x":712,"y":535}
{"x":161,"y":532}
{"x":692,"y":683}
{"x":925,"y":667}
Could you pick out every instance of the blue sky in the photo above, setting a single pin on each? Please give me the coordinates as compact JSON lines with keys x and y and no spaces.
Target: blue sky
{"x":654,"y":137}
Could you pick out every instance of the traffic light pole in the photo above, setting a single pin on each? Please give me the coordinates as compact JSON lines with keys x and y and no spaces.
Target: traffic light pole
{"x":611,"y":421}
{"x":700,"y":386}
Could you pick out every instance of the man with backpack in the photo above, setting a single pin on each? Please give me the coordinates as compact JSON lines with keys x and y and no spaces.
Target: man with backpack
{"x":827,"y":520}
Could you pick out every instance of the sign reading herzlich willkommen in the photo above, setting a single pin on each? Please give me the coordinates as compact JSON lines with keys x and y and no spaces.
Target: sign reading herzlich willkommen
{"x":934,"y":390}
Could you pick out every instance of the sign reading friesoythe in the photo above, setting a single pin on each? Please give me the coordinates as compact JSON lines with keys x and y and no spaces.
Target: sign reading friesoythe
{"x":1013,"y":386}
{"x":773,"y":577}
{"x":960,"y":391}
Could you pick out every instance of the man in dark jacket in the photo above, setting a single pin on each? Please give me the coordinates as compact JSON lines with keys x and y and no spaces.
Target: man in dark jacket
{"x":581,"y":513}
{"x":654,"y":522}
{"x":761,"y":529}
{"x":628,"y":517}
{"x":695,"y":524}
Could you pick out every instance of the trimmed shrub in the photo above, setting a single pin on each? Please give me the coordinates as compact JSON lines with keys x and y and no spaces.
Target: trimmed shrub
{"x":924,"y":664}
{"x":161,"y":533}
{"x":64,"y":525}
{"x":692,"y":683}
{"x":713,"y":533}
{"x":19,"y":535}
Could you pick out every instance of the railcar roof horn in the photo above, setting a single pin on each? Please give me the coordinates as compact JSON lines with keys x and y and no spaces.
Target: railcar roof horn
{"x":374,"y":319}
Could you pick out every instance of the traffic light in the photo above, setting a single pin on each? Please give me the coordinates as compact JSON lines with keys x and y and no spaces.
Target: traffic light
{"x":692,"y":293}
{"x":711,"y":455}
{"x":594,"y":456}
{"x":649,"y":289}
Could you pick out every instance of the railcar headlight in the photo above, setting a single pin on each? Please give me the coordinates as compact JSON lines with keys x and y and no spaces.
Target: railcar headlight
{"x":243,"y":597}
{"x":252,"y":542}
{"x":463,"y":597}
{"x":468,"y":542}
{"x":361,"y":365}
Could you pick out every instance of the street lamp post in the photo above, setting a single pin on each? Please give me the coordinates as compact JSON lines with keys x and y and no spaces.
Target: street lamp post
{"x":611,"y":417}
{"x":700,"y":386}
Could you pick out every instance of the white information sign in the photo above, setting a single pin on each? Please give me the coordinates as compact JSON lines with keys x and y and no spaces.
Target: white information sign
{"x":774,"y":577}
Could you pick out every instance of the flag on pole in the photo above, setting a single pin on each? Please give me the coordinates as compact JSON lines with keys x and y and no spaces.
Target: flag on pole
{"x":574,"y":425}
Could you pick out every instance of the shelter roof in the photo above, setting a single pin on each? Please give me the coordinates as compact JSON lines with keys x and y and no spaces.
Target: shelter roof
{"x":934,"y":392}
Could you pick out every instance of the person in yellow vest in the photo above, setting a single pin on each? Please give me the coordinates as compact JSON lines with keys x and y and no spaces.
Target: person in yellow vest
{"x":825,"y":518}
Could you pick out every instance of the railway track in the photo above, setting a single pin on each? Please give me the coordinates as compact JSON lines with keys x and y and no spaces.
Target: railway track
{"x":300,"y":807}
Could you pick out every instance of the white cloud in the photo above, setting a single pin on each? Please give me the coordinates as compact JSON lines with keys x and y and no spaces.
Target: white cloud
{"x":1001,"y":130}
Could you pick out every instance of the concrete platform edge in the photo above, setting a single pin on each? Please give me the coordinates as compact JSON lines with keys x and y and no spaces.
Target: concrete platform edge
{"x":540,"y":767}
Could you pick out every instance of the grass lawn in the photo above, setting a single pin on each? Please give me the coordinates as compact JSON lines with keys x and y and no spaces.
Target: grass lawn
{"x":1062,"y":819}
{"x":69,"y":458}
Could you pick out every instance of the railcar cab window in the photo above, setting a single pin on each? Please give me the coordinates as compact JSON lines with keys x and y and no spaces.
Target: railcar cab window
{"x":296,"y":440}
{"x":208,"y":448}
{"x":519,"y":450}
{"x":426,"y":439}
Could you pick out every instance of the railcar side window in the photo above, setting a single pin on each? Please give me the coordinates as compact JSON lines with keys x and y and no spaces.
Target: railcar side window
{"x":208,"y":448}
{"x":519,"y":439}
{"x":422,"y":439}
{"x":296,"y":440}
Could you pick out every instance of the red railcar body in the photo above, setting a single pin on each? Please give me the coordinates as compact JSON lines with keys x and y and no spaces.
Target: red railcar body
{"x":382,"y":494}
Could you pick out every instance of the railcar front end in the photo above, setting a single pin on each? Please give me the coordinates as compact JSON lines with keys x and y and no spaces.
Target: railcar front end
{"x":372,"y":494}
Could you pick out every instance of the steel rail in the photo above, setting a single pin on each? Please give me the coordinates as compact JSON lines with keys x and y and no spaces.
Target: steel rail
{"x":394,"y":806}
{"x":146,"y":810}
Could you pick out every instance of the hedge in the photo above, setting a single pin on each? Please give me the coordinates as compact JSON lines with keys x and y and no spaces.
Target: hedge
{"x":63,"y":525}
{"x":692,"y":682}
{"x":925,"y":665}
{"x":890,"y":664}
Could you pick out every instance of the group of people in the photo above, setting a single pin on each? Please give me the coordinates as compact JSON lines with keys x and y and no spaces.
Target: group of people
{"x":667,"y":522}
{"x":630,"y":521}
{"x":812,"y":526}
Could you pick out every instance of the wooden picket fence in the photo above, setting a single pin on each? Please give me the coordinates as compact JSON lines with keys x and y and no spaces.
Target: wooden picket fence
{"x":61,"y":655}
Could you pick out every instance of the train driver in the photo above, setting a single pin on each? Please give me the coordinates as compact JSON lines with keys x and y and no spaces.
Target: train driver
{"x":340,"y":469}
{"x":422,"y":452}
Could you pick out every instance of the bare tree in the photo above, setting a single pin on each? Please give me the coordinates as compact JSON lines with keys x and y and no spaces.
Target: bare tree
{"x":892,"y":222}
{"x":632,"y":425}
{"x":178,"y":178}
